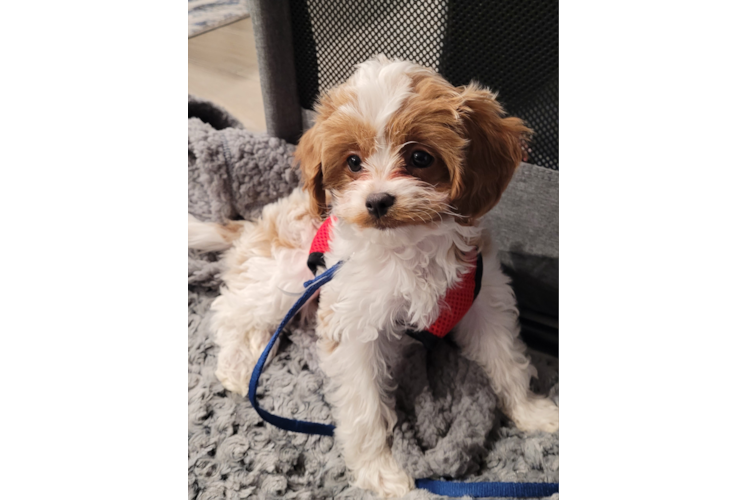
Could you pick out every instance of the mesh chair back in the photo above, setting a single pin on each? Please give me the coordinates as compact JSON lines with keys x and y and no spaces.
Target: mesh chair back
{"x":510,"y":46}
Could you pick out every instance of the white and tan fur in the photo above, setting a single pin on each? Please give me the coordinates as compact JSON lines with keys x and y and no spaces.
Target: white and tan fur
{"x":397,"y":268}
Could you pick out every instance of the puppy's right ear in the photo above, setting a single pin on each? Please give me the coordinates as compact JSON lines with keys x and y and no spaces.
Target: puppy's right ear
{"x":309,"y":158}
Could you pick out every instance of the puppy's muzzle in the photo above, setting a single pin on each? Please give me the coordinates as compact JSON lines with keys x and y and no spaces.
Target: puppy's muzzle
{"x":378,"y":203}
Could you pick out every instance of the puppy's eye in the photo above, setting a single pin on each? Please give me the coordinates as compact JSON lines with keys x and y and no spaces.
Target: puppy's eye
{"x":354,"y":163}
{"x":421,"y":159}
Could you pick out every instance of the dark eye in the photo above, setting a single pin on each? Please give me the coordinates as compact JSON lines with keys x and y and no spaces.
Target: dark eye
{"x":354,"y":163}
{"x":421,"y":159}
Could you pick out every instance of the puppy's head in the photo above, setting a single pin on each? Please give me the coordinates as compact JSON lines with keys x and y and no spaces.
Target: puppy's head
{"x":398,"y":145}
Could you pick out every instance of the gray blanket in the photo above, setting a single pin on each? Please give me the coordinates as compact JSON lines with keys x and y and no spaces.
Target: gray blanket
{"x":449,"y":424}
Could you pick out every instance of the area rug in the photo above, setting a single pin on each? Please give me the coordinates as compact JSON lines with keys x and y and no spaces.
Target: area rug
{"x":206,"y":15}
{"x":449,"y":421}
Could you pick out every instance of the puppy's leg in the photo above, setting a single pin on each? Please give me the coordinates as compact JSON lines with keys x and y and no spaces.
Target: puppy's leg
{"x":489,"y":335}
{"x":243,"y":322}
{"x":363,"y":406}
{"x":263,"y":276}
{"x":250,"y":308}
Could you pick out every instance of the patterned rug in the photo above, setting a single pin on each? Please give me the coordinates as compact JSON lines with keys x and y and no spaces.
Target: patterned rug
{"x":206,"y":15}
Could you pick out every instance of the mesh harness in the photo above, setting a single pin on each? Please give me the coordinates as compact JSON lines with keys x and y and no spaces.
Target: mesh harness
{"x":457,"y":301}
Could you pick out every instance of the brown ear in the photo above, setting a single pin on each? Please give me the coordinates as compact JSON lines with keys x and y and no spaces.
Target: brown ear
{"x":492,"y":155}
{"x":309,"y":158}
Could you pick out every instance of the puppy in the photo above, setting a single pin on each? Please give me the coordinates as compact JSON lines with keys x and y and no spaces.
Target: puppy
{"x":405,"y":165}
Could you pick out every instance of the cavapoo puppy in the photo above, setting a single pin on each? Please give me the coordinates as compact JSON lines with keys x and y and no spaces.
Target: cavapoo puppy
{"x":403,"y":165}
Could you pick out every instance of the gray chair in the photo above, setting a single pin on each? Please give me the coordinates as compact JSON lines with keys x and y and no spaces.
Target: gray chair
{"x":309,"y":46}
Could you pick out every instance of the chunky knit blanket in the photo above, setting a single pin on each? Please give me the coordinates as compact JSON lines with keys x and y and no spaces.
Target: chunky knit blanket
{"x":449,"y":423}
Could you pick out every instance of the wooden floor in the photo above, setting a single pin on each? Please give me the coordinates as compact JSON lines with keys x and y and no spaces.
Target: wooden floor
{"x":223,"y":69}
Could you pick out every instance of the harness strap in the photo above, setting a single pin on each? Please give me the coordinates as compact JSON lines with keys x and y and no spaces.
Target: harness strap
{"x":444,"y":488}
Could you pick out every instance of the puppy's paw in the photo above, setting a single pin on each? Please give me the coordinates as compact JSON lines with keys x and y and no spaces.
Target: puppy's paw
{"x":536,"y":414}
{"x":237,"y":360}
{"x":232,"y":381}
{"x":385,"y":478}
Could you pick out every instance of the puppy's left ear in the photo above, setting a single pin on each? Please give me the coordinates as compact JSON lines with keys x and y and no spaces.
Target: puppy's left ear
{"x":494,"y":151}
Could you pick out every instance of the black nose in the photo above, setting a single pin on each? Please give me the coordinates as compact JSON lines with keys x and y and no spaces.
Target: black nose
{"x":378,"y":203}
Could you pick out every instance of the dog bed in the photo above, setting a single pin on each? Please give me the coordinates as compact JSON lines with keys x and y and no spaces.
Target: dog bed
{"x":449,"y":423}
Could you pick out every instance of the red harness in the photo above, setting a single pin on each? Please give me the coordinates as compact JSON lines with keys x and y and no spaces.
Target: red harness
{"x":457,"y":300}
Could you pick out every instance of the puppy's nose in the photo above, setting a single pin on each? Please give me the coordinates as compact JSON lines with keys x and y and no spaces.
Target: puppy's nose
{"x":378,"y":203}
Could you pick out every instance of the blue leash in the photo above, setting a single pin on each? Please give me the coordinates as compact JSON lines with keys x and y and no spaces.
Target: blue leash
{"x":286,"y":423}
{"x":444,"y":488}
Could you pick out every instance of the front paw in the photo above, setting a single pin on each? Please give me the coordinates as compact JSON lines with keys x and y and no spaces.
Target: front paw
{"x":536,"y":414}
{"x":385,"y":478}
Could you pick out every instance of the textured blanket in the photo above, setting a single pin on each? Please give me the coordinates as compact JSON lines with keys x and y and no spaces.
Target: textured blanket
{"x":449,"y":423}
